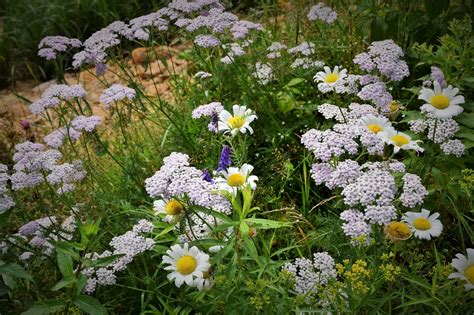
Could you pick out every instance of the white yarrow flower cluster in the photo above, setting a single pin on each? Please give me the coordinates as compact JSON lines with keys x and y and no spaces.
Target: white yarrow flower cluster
{"x":309,"y":275}
{"x":275,"y":50}
{"x":263,"y":73}
{"x":129,"y":245}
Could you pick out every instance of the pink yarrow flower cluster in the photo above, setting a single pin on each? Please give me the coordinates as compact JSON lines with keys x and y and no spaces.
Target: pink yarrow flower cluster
{"x":53,"y":96}
{"x":384,"y":56}
{"x":116,"y":93}
{"x":50,"y":46}
{"x":128,"y":245}
{"x":322,"y":13}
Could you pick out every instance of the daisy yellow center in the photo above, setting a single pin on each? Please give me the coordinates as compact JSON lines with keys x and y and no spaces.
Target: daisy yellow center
{"x":331,"y":78}
{"x":174,"y":207}
{"x":440,"y":101}
{"x":236,"y":122}
{"x":375,"y":128}
{"x":235,"y":180}
{"x":186,"y":265}
{"x":422,"y":224}
{"x":400,"y":140}
{"x":469,"y":274}
{"x":398,"y":230}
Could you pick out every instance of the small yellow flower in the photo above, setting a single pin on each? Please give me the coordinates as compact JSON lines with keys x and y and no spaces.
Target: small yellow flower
{"x":390,"y":272}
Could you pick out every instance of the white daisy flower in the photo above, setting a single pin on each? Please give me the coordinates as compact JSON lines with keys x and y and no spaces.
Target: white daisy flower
{"x":399,"y":140}
{"x":441,"y":103}
{"x":329,"y":79}
{"x":376,"y":124}
{"x":172,"y":208}
{"x":239,"y":121}
{"x":423,"y":225}
{"x":235,"y":179}
{"x":186,"y":264}
{"x":465,"y":268}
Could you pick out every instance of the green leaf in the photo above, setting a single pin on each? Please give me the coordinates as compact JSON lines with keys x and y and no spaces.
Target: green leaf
{"x":411,"y":115}
{"x":414,"y":90}
{"x":9,"y":281}
{"x":465,"y":135}
{"x":244,"y":228}
{"x":250,"y":248}
{"x":467,"y":119}
{"x":64,"y":264}
{"x":104,"y":261}
{"x":45,"y":307}
{"x":4,"y":289}
{"x":417,"y":300}
{"x":435,"y":7}
{"x":64,"y":282}
{"x":67,"y":250}
{"x":267,"y":224}
{"x":166,"y":230}
{"x":285,"y":102}
{"x":224,"y":251}
{"x":295,"y":81}
{"x":81,"y":283}
{"x":15,"y":271}
{"x":90,"y":305}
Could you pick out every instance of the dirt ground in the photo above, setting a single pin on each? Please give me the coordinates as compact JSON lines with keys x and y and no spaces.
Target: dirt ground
{"x":152,"y":75}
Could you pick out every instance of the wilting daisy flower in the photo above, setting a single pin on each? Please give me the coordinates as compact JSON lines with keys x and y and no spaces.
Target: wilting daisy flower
{"x":329,"y":79}
{"x":186,"y":264}
{"x":205,"y":283}
{"x":376,"y":124}
{"x":465,"y":268}
{"x":400,"y":140}
{"x":172,"y":208}
{"x":397,"y":231}
{"x":235,"y":178}
{"x":239,"y":121}
{"x":441,"y":103}
{"x":423,"y":225}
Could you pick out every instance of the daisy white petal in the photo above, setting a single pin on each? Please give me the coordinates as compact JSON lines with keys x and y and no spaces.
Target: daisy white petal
{"x":464,"y":268}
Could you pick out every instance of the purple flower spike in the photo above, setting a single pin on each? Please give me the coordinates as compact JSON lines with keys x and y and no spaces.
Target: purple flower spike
{"x":207,"y":176}
{"x":225,"y":160}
